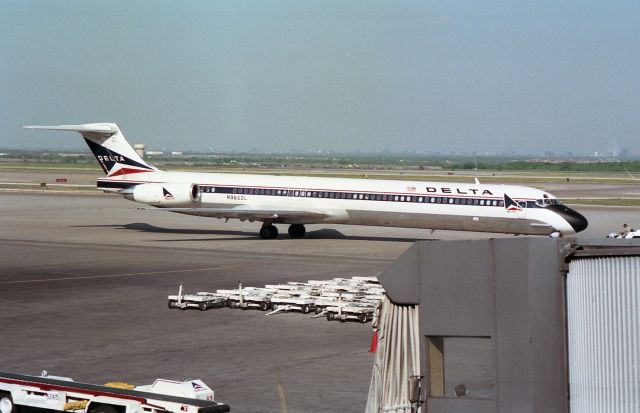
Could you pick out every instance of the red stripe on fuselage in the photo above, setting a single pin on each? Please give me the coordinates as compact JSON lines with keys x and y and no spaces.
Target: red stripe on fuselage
{"x":423,"y":194}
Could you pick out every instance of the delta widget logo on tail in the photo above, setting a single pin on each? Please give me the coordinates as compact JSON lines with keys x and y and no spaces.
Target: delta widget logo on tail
{"x":113,"y":163}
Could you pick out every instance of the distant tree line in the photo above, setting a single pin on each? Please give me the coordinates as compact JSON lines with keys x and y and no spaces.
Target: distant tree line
{"x":630,"y":166}
{"x":346,"y":161}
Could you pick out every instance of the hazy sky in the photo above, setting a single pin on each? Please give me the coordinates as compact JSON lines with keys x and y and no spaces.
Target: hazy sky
{"x":524,"y":76}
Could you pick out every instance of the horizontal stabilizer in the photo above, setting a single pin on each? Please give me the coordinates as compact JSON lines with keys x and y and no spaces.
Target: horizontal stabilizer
{"x":99,"y":128}
{"x":108,"y":145}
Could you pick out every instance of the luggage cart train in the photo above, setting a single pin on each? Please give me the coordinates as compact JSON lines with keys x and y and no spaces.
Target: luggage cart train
{"x":339,"y":299}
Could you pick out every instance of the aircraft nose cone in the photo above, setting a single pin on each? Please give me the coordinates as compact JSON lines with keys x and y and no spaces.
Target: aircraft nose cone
{"x":577,"y":221}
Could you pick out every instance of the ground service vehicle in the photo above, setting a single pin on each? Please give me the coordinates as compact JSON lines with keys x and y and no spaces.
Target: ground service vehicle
{"x":628,"y":235}
{"x":62,"y":394}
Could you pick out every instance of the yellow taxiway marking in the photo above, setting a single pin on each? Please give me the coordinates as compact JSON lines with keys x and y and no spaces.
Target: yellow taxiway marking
{"x":283,"y":400}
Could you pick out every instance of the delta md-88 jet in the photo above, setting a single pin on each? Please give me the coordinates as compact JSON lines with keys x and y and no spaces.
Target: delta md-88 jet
{"x":297,"y":201}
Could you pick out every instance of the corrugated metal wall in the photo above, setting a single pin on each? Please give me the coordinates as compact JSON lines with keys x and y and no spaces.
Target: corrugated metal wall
{"x":603,"y":309}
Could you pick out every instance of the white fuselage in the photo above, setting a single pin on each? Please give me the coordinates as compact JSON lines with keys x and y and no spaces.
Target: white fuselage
{"x":415,"y":204}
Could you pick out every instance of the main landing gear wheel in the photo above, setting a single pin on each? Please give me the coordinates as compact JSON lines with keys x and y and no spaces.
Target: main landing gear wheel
{"x":268,"y":232}
{"x":297,"y":230}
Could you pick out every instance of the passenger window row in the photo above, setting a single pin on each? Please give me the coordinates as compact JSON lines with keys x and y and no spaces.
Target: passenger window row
{"x":364,"y":196}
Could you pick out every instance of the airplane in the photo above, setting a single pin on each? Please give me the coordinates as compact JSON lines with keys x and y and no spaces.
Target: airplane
{"x":298,"y":201}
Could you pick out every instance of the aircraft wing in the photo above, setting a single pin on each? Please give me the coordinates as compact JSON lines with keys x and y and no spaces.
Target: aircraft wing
{"x":257,"y":214}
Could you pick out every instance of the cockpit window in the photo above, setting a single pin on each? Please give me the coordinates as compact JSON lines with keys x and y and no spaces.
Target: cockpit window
{"x":546,"y":202}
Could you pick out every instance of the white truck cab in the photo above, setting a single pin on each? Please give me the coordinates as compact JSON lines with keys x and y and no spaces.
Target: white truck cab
{"x":192,"y":389}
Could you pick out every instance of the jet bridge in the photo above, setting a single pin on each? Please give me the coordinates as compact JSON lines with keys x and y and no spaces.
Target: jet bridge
{"x":504,"y":325}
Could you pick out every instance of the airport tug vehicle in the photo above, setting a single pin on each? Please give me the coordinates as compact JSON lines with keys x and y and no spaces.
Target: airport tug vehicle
{"x":62,"y":394}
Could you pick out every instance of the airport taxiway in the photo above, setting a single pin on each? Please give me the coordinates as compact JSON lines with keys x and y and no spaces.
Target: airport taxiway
{"x":84,"y":281}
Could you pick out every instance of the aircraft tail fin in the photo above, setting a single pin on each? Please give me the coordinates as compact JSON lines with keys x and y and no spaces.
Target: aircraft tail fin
{"x":112,"y":151}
